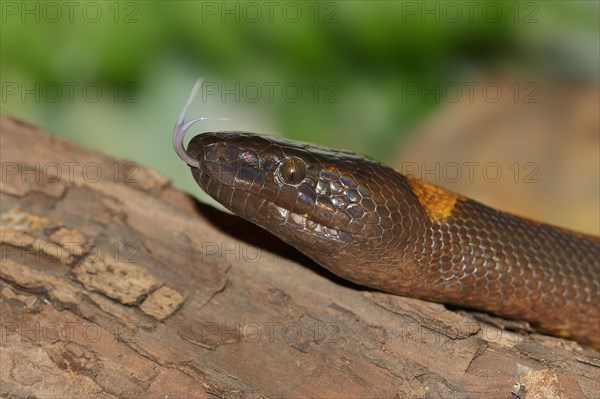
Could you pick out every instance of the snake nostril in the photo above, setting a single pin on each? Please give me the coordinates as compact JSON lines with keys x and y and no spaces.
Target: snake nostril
{"x":248,"y":157}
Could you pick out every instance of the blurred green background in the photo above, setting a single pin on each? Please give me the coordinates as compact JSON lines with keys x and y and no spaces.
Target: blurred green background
{"x":113,"y":76}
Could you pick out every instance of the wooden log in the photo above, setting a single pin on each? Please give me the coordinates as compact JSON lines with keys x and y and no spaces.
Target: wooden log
{"x":115,"y":284}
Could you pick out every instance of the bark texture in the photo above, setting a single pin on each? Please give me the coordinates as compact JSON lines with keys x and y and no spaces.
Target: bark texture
{"x":115,"y":284}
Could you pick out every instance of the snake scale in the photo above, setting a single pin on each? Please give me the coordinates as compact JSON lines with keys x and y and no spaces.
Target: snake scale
{"x":369,"y":224}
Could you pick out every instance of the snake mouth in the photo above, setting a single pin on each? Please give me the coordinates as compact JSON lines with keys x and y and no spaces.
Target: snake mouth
{"x":275,"y":215}
{"x":228,"y":167}
{"x":297,"y":221}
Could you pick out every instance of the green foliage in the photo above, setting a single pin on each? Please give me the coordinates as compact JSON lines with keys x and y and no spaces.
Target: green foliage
{"x":351,"y":59}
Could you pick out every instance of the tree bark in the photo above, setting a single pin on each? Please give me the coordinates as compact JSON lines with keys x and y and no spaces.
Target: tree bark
{"x":115,"y":284}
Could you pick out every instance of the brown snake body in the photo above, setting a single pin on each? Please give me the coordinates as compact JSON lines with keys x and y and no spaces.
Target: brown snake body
{"x":371,"y":225}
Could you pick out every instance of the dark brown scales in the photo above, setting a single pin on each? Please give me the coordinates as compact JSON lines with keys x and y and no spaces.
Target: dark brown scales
{"x":366,"y":223}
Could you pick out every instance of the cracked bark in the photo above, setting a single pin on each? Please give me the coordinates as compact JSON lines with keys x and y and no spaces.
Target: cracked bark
{"x":115,"y":284}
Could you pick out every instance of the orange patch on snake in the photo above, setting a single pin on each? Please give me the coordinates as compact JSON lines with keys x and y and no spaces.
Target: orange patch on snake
{"x":437,"y":202}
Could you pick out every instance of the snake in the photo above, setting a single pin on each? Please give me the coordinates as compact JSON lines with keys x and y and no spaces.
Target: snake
{"x":367,"y":223}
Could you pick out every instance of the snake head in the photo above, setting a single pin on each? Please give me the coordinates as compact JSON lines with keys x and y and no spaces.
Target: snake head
{"x":317,"y":199}
{"x":326,"y":202}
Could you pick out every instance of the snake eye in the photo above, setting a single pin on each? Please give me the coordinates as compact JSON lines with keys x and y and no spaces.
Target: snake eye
{"x":292,"y":170}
